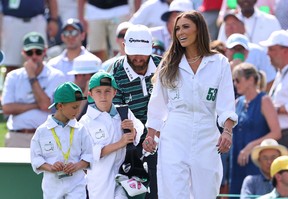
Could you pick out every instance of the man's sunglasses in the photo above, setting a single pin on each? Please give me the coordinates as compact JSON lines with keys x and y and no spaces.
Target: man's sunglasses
{"x":71,"y":33}
{"x":31,"y":52}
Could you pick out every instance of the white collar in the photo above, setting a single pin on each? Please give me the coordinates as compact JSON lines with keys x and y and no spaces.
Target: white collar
{"x":93,"y":113}
{"x":132,"y":75}
{"x":52,"y":124}
{"x":185,"y":65}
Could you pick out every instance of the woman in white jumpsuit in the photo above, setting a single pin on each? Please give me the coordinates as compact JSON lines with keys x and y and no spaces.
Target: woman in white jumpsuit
{"x":192,"y":87}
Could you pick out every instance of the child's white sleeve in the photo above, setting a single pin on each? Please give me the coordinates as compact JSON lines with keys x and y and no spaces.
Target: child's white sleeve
{"x":137,"y":125}
{"x":37,"y":158}
{"x":87,"y":147}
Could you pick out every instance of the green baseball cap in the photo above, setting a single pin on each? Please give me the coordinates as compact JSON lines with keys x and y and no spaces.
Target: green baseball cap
{"x":33,"y":40}
{"x":101,"y":78}
{"x":67,"y":92}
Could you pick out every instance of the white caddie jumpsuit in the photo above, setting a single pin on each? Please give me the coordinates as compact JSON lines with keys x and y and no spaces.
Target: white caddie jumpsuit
{"x":189,"y":166}
{"x":45,"y":150}
{"x":105,"y":130}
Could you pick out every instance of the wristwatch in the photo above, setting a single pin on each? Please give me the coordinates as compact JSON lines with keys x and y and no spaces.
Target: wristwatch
{"x":32,"y":80}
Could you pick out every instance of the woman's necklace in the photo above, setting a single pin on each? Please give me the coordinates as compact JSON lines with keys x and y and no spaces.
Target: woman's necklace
{"x":246,"y":105}
{"x":194,"y":59}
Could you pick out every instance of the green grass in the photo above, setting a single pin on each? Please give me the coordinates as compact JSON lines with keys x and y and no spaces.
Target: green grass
{"x":3,"y":131}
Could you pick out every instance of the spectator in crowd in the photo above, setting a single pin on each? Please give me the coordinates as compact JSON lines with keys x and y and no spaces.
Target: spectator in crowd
{"x":61,"y":147}
{"x":277,"y":45}
{"x":279,"y":174}
{"x":258,"y":25}
{"x":149,"y":13}
{"x":262,"y":156}
{"x":20,"y":18}
{"x":109,"y":142}
{"x":184,"y":101}
{"x":227,"y":5}
{"x":133,"y":73}
{"x":100,"y":19}
{"x":72,"y":35}
{"x":120,"y":34}
{"x":239,"y":50}
{"x":164,"y":33}
{"x":84,"y":66}
{"x":28,"y":92}
{"x":257,"y":120}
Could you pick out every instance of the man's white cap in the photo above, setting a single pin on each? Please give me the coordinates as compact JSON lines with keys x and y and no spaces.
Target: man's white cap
{"x":122,"y":26}
{"x":237,"y":39}
{"x":85,"y":64}
{"x":279,"y":37}
{"x":138,"y":40}
{"x":177,"y":6}
{"x":233,"y":13}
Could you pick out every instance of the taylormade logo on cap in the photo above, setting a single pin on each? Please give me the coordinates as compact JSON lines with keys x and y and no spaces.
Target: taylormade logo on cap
{"x":138,"y":40}
{"x":131,"y":40}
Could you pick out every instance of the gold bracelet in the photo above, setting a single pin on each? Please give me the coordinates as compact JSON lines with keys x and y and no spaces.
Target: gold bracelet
{"x":225,"y":131}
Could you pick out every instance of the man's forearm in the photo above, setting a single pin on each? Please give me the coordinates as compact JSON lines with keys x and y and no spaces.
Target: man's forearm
{"x":18,"y":108}
{"x":41,"y":97}
{"x":53,"y":9}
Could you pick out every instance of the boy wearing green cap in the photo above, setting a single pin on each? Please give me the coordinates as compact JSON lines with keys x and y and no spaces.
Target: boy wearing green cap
{"x":61,"y":147}
{"x":104,"y":124}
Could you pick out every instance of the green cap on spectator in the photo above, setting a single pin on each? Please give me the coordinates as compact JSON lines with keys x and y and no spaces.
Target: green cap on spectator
{"x":33,"y":40}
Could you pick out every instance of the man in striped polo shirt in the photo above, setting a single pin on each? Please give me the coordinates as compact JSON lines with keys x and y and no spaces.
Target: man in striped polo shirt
{"x":133,"y":73}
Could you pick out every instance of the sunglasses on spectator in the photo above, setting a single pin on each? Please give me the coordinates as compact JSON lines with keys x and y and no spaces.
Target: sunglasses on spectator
{"x":71,"y":33}
{"x":31,"y":52}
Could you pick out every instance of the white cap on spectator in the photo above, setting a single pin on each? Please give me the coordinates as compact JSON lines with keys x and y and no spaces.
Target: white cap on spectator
{"x":122,"y":26}
{"x":233,"y":13}
{"x":237,"y":39}
{"x":279,"y":37}
{"x":177,"y":6}
{"x":85,"y":64}
{"x":138,"y":40}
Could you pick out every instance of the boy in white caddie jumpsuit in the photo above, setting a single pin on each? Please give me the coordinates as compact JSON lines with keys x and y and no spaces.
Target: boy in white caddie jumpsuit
{"x":109,"y":142}
{"x":184,"y":110}
{"x":61,"y":147}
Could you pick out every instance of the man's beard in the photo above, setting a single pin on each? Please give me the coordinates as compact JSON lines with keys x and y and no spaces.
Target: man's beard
{"x":138,"y":68}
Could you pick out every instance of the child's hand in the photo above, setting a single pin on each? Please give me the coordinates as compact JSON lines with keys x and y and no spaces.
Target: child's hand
{"x":128,"y":124}
{"x":70,"y":168}
{"x":127,"y":138}
{"x":57,"y":166}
